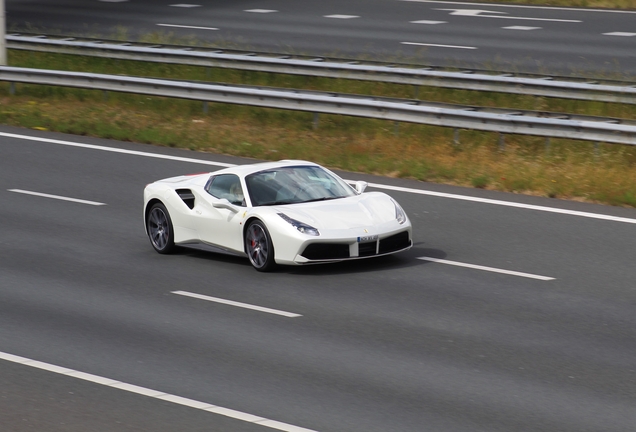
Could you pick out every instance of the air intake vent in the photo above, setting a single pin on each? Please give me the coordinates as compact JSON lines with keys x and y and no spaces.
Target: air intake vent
{"x":395,"y":243}
{"x":326,"y":251}
{"x":187,"y":196}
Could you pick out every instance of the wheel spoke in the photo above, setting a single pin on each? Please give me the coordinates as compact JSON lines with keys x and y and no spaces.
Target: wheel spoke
{"x":161,"y":240}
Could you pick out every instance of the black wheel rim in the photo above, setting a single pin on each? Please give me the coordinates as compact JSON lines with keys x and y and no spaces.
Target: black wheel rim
{"x":158,"y":228}
{"x":257,"y":245}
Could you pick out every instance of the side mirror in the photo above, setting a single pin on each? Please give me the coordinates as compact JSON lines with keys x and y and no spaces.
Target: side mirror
{"x":361,"y":186}
{"x":223,"y":203}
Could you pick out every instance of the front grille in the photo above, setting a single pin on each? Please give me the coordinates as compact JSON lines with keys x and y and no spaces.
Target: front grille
{"x":395,"y":242}
{"x":367,"y":249}
{"x":326,"y":251}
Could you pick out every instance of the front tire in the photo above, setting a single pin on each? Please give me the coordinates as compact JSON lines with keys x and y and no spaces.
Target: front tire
{"x":259,"y":247}
{"x":159,"y":229}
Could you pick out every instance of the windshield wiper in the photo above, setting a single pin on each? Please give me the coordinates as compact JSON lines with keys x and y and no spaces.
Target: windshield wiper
{"x":321,"y":199}
{"x":271,"y":203}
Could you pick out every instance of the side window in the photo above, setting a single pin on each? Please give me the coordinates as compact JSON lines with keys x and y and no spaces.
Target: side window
{"x":227,"y":186}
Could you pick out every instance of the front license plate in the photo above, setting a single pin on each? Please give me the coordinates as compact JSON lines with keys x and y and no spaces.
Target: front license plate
{"x":367,"y":239}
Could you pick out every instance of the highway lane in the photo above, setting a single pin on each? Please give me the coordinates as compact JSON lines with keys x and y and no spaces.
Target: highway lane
{"x":388,"y":344}
{"x":456,"y":34}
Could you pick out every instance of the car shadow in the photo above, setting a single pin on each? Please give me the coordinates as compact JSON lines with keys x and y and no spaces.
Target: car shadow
{"x":397,"y":261}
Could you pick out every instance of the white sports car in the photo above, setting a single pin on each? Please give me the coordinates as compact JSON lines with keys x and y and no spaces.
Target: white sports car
{"x":287,"y":212}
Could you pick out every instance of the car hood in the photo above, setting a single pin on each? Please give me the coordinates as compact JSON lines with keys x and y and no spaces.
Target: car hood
{"x":364,"y":210}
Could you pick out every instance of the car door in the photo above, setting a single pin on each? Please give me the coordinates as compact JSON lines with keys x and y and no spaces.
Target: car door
{"x":219,"y":214}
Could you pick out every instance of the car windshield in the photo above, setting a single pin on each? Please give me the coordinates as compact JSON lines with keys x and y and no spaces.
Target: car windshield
{"x":295,"y":184}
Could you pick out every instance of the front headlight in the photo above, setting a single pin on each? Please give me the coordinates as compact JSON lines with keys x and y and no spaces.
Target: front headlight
{"x":400,"y":216}
{"x":302,"y":227}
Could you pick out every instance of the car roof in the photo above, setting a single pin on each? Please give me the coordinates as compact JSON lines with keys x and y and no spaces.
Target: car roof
{"x":244,"y":170}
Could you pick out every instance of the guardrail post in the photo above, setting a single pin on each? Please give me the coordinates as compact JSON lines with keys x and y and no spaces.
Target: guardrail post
{"x":456,"y":137}
{"x":205,"y":107}
{"x":12,"y":89}
{"x":396,"y":128}
{"x":502,"y":142}
{"x":547,"y":145}
{"x":105,"y":93}
{"x":316,"y":120}
{"x":3,"y":41}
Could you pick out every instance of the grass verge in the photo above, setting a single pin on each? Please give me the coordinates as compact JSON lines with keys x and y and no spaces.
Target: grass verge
{"x":562,"y":169}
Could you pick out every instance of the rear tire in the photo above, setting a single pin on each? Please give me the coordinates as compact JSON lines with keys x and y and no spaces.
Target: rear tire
{"x":259,"y":247}
{"x":159,"y":229}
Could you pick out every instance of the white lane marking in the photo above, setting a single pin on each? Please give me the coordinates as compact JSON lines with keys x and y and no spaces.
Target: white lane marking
{"x":521,"y":28}
{"x":185,"y":5}
{"x":470,"y":12}
{"x":490,"y":269}
{"x":263,"y":11}
{"x":113,"y":1}
{"x":57,"y":197}
{"x":429,"y":22}
{"x":116,"y":150}
{"x":237,"y":304}
{"x":342,"y":16}
{"x":187,"y":26}
{"x":619,"y":34}
{"x":375,"y":185}
{"x":438,"y":45}
{"x":504,"y":203}
{"x":155,"y":394}
{"x":479,"y":13}
{"x":516,"y":6}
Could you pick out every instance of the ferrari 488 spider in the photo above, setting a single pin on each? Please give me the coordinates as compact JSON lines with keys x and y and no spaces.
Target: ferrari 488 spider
{"x":287,"y":212}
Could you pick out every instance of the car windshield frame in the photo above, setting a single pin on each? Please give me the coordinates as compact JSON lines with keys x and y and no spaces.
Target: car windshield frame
{"x":295,"y":184}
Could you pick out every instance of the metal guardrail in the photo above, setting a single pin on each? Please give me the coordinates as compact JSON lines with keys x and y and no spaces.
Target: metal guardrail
{"x":608,"y":91}
{"x":400,"y":110}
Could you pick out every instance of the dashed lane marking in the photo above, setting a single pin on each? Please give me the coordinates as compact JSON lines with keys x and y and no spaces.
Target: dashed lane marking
{"x":625,"y":34}
{"x":438,"y":45}
{"x":342,"y":16}
{"x":237,"y":304}
{"x":521,"y":28}
{"x":57,"y":197}
{"x":429,"y":22}
{"x":484,"y":268}
{"x":187,"y":26}
{"x":501,"y":15}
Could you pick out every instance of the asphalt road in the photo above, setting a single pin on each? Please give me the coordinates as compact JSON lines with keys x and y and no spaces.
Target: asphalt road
{"x":389,"y":344}
{"x":456,"y":34}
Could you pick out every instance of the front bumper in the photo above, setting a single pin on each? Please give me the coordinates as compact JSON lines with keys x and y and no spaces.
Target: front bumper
{"x":323,"y":251}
